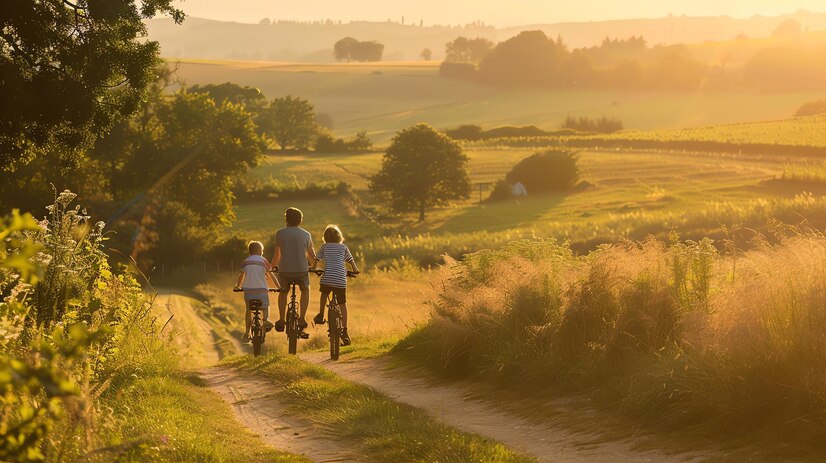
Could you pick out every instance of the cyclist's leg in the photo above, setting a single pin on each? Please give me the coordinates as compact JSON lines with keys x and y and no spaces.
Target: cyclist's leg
{"x":282,"y":298}
{"x":304,"y":285}
{"x":341,"y":297}
{"x":247,"y":314}
{"x":322,"y":303}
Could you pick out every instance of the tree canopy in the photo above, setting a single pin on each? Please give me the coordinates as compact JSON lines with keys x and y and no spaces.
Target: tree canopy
{"x":464,"y":50}
{"x":88,"y":55}
{"x":422,"y":168}
{"x":530,"y":58}
{"x":290,"y":122}
{"x":350,"y":49}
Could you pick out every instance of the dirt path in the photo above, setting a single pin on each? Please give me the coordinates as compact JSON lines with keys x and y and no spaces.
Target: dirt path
{"x":191,"y":334}
{"x":255,"y":403}
{"x":549,"y":442}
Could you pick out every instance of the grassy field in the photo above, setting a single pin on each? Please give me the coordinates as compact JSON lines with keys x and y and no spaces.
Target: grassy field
{"x":629,"y":192}
{"x":385,"y":98}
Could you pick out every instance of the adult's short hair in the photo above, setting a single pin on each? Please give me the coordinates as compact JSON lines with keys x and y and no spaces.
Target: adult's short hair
{"x":293,"y":216}
{"x":255,"y":248}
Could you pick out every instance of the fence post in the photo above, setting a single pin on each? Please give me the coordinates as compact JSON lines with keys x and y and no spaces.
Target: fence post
{"x":163,"y":267}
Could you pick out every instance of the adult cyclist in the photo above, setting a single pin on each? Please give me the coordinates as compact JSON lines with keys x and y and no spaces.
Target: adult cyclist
{"x":293,"y":254}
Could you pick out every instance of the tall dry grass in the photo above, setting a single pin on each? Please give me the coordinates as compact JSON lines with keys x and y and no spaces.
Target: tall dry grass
{"x":676,"y":333}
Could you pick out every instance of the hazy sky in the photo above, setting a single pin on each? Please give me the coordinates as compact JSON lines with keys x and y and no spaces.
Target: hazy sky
{"x":496,"y":12}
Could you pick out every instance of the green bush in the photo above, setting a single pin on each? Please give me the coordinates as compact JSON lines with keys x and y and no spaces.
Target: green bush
{"x":546,"y":172}
{"x":70,"y":328}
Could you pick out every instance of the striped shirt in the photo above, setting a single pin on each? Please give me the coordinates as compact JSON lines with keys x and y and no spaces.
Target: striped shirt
{"x":255,"y":270}
{"x":334,"y":256}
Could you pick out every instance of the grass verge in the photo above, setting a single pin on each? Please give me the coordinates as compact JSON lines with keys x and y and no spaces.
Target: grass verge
{"x":385,"y":430}
{"x":175,"y":419}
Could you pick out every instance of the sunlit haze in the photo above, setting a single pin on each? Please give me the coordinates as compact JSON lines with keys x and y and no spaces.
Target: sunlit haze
{"x":491,"y":12}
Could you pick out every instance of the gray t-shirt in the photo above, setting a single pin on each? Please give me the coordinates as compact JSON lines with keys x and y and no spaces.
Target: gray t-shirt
{"x":294,"y":243}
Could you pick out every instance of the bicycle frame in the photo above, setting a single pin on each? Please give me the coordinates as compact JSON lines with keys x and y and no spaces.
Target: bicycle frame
{"x":257,"y":330}
{"x":335,"y":326}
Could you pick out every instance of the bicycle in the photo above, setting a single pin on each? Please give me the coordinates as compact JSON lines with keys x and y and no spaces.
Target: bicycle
{"x":257,"y":330}
{"x":334,"y":319}
{"x":294,"y":333}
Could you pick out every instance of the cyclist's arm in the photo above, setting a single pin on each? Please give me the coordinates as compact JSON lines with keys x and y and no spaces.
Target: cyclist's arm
{"x":241,"y":276}
{"x":273,"y":280}
{"x":311,"y":255}
{"x":276,"y":257}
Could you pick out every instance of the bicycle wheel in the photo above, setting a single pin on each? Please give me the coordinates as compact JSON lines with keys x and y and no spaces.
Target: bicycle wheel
{"x":257,"y":341}
{"x":257,"y":336}
{"x":335,"y":331}
{"x":292,"y":331}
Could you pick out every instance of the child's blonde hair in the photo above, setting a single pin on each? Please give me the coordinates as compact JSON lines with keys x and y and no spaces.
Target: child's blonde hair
{"x":255,"y":248}
{"x":332,"y":234}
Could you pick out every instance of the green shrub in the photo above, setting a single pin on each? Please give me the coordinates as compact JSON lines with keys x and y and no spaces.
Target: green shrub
{"x":546,"y":172}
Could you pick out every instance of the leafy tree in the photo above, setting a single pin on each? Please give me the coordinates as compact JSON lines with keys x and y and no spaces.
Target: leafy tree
{"x":368,"y":51}
{"x":290,"y":122}
{"x":530,"y":58}
{"x":249,"y":97}
{"x":343,"y":49}
{"x":70,"y":69}
{"x":422,"y":168}
{"x":464,"y":50}
{"x":426,"y":54}
{"x":351,"y":49}
{"x":183,"y":160}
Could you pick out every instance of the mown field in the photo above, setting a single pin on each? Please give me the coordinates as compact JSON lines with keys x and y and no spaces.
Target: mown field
{"x":385,"y":98}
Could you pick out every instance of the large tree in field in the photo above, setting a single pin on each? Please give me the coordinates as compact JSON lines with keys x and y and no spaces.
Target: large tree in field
{"x":343,"y":49}
{"x":290,"y":122}
{"x":182,"y":161}
{"x":422,"y":168}
{"x":69,"y":70}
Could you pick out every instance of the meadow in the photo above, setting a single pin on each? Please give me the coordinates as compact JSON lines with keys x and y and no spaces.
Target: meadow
{"x":384,"y":98}
{"x":627,"y":194}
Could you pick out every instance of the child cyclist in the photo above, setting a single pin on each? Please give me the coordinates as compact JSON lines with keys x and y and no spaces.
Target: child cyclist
{"x":335,"y":255}
{"x":253,"y":279}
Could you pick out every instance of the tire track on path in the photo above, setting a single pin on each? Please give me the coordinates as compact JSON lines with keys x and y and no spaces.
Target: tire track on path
{"x":453,"y":405}
{"x":255,"y":403}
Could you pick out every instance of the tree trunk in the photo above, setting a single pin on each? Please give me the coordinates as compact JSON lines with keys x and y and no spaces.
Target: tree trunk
{"x":421,"y":211}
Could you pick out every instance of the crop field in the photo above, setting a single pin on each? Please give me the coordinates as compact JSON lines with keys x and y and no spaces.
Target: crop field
{"x":384,"y":98}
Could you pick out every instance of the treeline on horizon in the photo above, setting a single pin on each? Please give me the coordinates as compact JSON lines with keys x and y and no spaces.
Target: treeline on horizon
{"x":533,"y":59}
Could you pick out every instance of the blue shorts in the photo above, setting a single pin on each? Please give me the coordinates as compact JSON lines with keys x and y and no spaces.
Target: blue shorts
{"x":262,"y":296}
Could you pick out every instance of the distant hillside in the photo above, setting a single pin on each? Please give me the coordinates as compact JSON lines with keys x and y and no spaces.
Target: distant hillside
{"x":313,"y":42}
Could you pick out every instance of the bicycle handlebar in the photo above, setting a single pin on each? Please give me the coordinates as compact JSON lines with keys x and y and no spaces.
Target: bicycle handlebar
{"x":272,"y":290}
{"x":350,"y":273}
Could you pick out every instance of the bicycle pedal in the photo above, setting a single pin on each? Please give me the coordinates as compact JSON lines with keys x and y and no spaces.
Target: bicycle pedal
{"x":303,"y":335}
